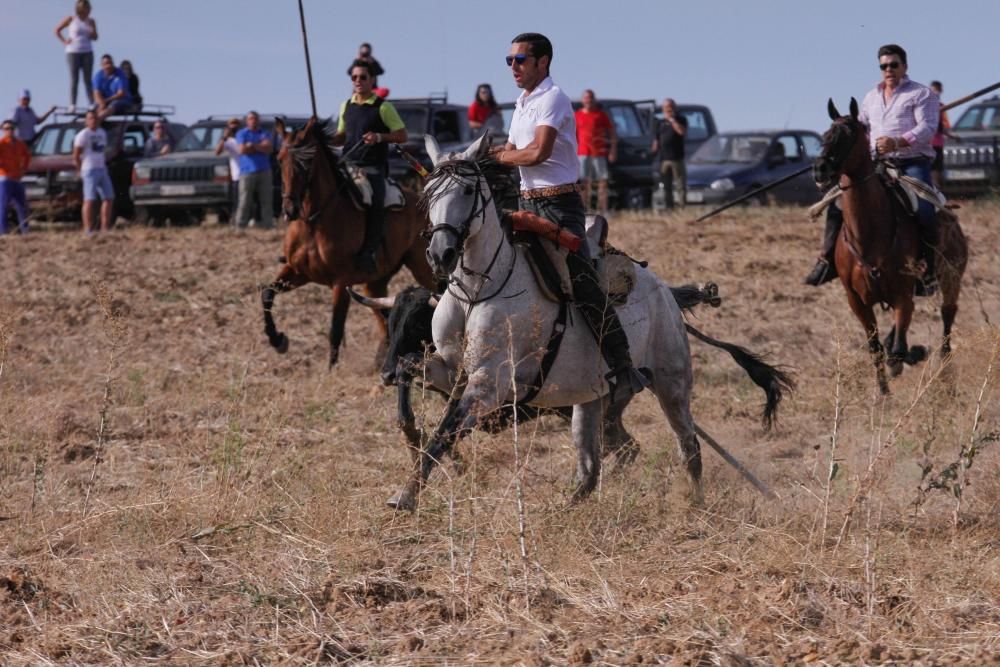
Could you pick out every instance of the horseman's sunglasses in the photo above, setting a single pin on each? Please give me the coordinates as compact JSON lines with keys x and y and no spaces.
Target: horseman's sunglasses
{"x":359,"y":77}
{"x":519,"y":59}
{"x":893,"y":65}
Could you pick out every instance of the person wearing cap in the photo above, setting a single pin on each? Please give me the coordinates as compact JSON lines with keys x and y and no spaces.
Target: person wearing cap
{"x":14,"y":158}
{"x":25,"y":119}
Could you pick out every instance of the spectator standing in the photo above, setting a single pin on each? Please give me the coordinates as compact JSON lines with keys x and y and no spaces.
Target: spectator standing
{"x":668,"y":145}
{"x":942,"y":133}
{"x":227,"y":144}
{"x":484,"y":112}
{"x":374,"y":66}
{"x":133,"y":84}
{"x":88,"y":156}
{"x":111,"y":89}
{"x":25,"y":119}
{"x":597,"y":144}
{"x":81,"y":32}
{"x":255,"y":148}
{"x":14,"y":158}
{"x":161,"y":142}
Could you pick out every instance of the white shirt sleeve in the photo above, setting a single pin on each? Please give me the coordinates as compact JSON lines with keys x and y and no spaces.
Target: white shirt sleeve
{"x":555,"y":112}
{"x":232,"y":147}
{"x":80,"y":140}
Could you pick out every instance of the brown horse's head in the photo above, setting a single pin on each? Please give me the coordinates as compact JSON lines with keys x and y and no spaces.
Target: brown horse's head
{"x":297,"y":158}
{"x":845,"y":147}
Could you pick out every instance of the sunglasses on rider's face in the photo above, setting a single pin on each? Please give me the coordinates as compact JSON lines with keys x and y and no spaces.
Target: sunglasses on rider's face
{"x":519,"y":59}
{"x":893,"y":65}
{"x":359,"y":77}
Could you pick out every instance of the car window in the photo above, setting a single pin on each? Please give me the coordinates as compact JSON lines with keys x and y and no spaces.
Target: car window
{"x":66,"y":141}
{"x":446,"y":126}
{"x":626,"y":120}
{"x":697,"y":125}
{"x":786,"y":145}
{"x":48,"y":142}
{"x":415,"y":120}
{"x":813,"y":145}
{"x":746,"y":148}
{"x":979,"y":118}
{"x":133,"y":139}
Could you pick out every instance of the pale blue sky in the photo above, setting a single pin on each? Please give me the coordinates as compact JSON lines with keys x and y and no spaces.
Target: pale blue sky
{"x":757,"y":64}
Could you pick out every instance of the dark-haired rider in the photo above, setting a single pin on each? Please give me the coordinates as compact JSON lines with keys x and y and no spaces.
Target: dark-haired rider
{"x":367,"y":125}
{"x":542,"y":143}
{"x":901,"y":116}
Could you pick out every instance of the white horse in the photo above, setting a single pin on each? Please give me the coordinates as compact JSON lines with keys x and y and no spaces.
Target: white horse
{"x":493,"y":325}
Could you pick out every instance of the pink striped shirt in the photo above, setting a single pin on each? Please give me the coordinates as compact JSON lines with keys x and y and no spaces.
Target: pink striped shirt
{"x":911,"y":113}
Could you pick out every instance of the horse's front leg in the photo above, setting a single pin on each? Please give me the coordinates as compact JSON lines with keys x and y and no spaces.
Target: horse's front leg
{"x":478,"y":399}
{"x":341,"y":303}
{"x":286,"y":281}
{"x":900,"y":352}
{"x":866,"y":315}
{"x":586,"y":437}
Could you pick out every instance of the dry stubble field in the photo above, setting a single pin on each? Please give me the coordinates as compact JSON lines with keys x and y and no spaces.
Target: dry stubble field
{"x":173,"y":491}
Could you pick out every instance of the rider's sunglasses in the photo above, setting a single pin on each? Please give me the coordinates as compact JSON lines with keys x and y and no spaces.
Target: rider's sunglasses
{"x":893,"y":65}
{"x":519,"y":59}
{"x":359,"y":77}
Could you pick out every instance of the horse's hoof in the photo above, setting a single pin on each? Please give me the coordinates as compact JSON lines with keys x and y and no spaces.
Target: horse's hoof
{"x":895,"y":367}
{"x":916,"y":354}
{"x":281,"y":346}
{"x":402,"y":502}
{"x":334,"y":358}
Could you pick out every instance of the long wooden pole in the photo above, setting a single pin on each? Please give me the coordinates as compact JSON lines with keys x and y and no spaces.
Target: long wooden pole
{"x":309,"y":70}
{"x":967,"y":98}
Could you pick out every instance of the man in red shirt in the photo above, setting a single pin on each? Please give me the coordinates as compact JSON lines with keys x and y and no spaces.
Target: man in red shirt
{"x":14,"y":158}
{"x":597,"y":144}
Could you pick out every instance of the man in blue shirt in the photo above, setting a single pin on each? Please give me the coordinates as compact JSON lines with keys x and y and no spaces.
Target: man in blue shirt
{"x":111,"y":91}
{"x":255,"y":147}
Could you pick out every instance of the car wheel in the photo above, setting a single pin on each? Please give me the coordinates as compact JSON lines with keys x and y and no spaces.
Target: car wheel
{"x":759,"y":200}
{"x":635,"y":198}
{"x":141,"y":216}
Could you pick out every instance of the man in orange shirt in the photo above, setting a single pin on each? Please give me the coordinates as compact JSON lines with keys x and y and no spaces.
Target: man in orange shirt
{"x":14,"y":158}
{"x":597,"y":144}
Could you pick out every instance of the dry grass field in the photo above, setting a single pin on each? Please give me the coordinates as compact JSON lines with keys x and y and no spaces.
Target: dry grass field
{"x":173,"y":491}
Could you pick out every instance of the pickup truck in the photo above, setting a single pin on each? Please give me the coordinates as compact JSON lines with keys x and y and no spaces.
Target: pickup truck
{"x":972,"y":166}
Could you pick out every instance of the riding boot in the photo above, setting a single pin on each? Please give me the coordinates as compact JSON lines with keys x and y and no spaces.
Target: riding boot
{"x":603,"y":322}
{"x":927,"y":226}
{"x":365,"y":259}
{"x":825,"y":270}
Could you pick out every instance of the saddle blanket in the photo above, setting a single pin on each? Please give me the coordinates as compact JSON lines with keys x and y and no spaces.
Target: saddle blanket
{"x":394,"y":197}
{"x":913,"y":188}
{"x":615,"y":270}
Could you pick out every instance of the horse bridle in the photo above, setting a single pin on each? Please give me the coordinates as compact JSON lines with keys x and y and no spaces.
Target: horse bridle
{"x":480,"y":202}
{"x":300,"y":196}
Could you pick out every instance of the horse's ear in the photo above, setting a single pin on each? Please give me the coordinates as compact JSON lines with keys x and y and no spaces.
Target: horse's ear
{"x":831,"y":109}
{"x":854,"y":108}
{"x":479,"y":149}
{"x":433,"y":149}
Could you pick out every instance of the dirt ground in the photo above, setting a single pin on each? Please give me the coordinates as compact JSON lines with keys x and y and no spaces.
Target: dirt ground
{"x":173,"y":491}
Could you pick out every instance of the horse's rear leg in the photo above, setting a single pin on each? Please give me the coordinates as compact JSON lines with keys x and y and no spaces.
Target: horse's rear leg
{"x":673,"y":392}
{"x":341,"y":304}
{"x":586,"y":429}
{"x":617,"y":440}
{"x":286,"y":281}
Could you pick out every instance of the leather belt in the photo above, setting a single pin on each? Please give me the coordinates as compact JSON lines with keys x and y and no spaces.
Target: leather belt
{"x":550,"y":191}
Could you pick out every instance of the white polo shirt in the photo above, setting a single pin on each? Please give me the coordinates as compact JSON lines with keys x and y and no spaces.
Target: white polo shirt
{"x":546,"y":105}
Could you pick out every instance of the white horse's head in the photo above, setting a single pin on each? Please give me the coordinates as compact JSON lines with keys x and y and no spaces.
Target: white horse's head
{"x":458,"y":198}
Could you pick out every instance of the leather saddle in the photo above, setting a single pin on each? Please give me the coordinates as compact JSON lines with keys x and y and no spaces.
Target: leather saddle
{"x":615,"y":270}
{"x":361,"y":193}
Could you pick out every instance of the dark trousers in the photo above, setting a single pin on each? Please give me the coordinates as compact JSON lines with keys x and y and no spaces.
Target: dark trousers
{"x":568,"y":212}
{"x":12,"y":192}
{"x":375,"y":215}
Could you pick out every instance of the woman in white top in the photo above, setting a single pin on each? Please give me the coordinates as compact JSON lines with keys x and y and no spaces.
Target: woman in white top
{"x":79,"y":52}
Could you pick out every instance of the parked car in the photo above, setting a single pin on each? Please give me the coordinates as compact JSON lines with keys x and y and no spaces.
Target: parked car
{"x":192,"y":180}
{"x":972,"y":166}
{"x":52,"y":184}
{"x":731,"y":164}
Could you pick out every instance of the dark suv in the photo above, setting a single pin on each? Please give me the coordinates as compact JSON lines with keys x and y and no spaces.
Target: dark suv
{"x":972,"y":166}
{"x":192,"y":180}
{"x":52,"y":184}
{"x":448,"y":123}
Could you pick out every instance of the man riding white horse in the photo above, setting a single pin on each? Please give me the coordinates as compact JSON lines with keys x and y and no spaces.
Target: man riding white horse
{"x":542,"y":144}
{"x":901,"y":116}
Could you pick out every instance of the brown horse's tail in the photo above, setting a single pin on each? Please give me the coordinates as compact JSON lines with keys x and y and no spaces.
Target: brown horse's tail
{"x":774,"y":381}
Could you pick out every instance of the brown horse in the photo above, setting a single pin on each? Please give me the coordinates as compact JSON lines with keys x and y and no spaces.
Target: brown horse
{"x":326,"y":229}
{"x":878,"y":247}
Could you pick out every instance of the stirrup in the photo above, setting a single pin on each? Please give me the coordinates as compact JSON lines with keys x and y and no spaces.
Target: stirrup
{"x":823,"y":272}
